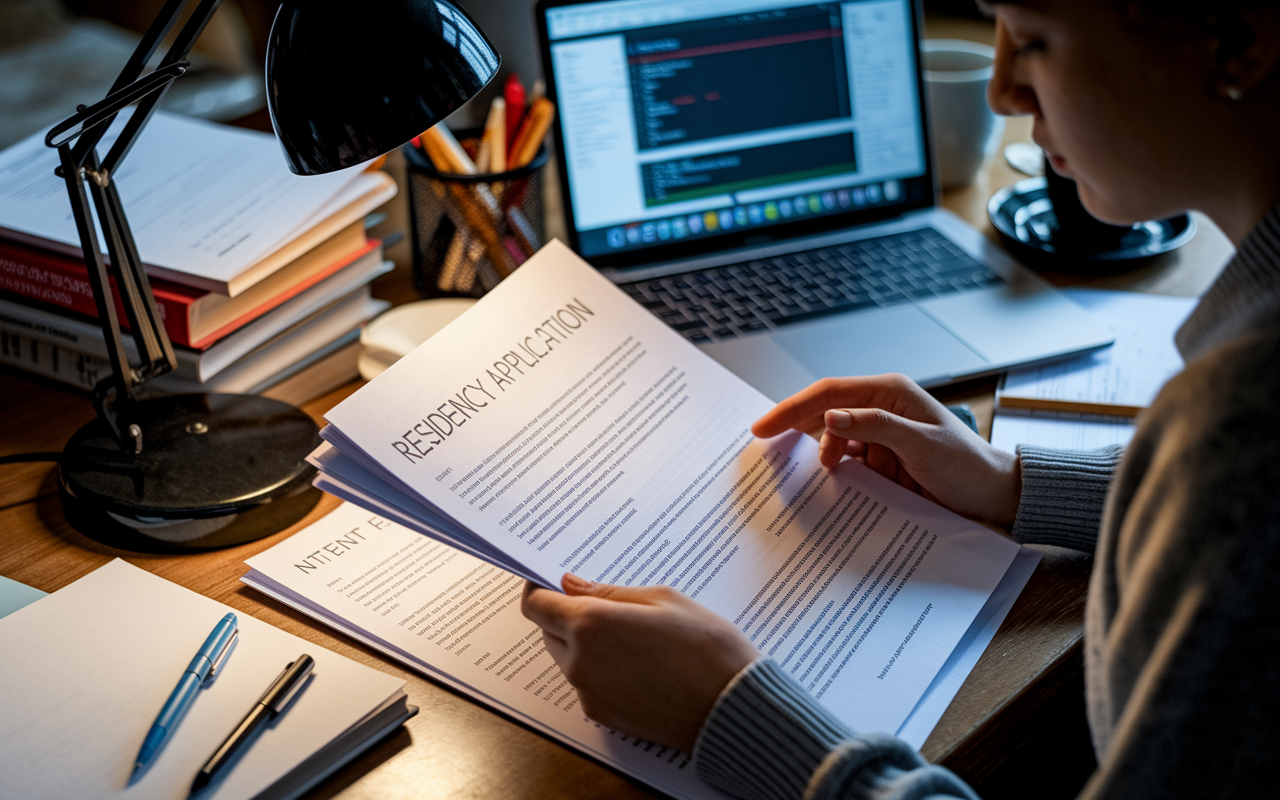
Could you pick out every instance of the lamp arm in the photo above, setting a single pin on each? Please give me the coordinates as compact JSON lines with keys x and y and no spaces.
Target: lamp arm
{"x":113,"y":395}
{"x":93,"y":121}
{"x":120,"y":379}
{"x":182,"y":44}
{"x":151,"y":40}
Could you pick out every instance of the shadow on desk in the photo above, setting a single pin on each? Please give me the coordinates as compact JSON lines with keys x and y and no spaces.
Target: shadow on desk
{"x":1026,"y":694}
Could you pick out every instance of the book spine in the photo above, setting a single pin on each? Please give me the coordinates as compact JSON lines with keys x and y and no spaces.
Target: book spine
{"x":74,"y":335}
{"x":42,"y":325}
{"x":52,"y":361}
{"x":63,"y":283}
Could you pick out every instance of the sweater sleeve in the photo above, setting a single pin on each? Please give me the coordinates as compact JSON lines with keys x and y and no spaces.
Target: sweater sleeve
{"x":768,"y":739}
{"x":1063,"y":495}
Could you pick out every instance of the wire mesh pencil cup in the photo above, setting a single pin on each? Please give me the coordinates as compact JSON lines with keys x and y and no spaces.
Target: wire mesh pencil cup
{"x":470,"y":231}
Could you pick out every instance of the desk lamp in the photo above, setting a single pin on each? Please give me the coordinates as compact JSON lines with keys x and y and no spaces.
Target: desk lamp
{"x":345,"y":84}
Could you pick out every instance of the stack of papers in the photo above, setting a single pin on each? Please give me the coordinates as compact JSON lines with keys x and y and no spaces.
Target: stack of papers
{"x":208,"y":203}
{"x":261,"y":277}
{"x":87,"y":668}
{"x":558,"y":426}
{"x":457,"y":620}
{"x":1091,"y":401}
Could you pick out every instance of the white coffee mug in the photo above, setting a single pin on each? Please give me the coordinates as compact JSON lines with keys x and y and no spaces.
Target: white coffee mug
{"x":965,"y":131}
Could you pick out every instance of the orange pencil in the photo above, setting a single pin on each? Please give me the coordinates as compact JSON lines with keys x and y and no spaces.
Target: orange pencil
{"x":532,"y":131}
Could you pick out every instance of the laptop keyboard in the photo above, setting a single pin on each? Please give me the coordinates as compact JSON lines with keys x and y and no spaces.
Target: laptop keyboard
{"x":724,"y":302}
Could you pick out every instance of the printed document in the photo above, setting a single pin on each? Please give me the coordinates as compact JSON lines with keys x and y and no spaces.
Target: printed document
{"x":558,"y":426}
{"x":204,"y":201}
{"x":1119,"y":380}
{"x":457,"y":620}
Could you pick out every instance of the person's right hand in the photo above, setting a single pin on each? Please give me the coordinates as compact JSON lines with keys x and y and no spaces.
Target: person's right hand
{"x":896,"y":428}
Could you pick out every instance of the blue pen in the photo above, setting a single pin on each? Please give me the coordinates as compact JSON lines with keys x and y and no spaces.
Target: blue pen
{"x":204,"y":666}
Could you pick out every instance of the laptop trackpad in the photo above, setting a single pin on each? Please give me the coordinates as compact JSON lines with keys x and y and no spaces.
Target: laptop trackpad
{"x":902,"y":340}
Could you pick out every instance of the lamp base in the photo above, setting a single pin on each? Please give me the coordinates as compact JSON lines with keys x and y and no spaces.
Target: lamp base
{"x":216,"y":470}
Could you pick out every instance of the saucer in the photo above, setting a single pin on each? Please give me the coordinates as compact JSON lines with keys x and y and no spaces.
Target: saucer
{"x":393,"y":334}
{"x":1023,"y":214}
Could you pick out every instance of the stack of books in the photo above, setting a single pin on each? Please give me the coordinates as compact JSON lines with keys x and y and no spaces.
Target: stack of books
{"x":261,"y":276}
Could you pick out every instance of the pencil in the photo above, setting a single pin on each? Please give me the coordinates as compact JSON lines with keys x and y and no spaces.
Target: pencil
{"x":495,"y":136}
{"x":479,"y":207}
{"x":439,"y":139}
{"x":532,"y":131}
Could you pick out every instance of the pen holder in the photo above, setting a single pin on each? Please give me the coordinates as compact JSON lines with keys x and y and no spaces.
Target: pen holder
{"x":470,"y":231}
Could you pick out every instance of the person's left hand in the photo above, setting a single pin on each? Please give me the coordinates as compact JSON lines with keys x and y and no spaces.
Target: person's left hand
{"x":646,"y":661}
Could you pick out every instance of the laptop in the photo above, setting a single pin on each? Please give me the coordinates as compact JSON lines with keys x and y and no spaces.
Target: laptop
{"x":758,"y":174}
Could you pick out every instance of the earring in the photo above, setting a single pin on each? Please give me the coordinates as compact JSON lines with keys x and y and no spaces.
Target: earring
{"x":1230,"y":91}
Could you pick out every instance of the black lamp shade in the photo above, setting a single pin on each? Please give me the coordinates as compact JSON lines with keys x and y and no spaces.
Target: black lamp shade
{"x":349,"y":81}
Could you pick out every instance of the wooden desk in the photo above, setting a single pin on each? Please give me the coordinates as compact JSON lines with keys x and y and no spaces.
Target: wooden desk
{"x":457,"y":748}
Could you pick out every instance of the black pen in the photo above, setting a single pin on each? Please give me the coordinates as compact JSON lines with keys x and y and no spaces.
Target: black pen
{"x":273,"y":701}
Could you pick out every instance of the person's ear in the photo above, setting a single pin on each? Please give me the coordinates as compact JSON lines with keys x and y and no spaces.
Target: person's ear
{"x":1254,"y":56}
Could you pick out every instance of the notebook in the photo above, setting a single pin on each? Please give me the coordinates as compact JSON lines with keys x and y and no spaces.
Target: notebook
{"x":758,"y":174}
{"x":86,"y":669}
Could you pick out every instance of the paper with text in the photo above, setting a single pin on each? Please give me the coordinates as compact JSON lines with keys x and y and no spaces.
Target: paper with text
{"x":202,"y":199}
{"x":456,"y":619}
{"x":1121,"y":379}
{"x":568,"y":428}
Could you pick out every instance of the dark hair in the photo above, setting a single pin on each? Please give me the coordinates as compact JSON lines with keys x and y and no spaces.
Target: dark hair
{"x":1224,"y":19}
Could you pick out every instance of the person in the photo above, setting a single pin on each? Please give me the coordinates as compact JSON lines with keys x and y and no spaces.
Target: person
{"x":1154,"y":108}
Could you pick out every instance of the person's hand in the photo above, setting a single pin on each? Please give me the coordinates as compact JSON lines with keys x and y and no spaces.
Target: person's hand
{"x":897,"y":429}
{"x":646,"y":661}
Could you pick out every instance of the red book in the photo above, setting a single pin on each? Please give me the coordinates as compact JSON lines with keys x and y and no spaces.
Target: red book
{"x":192,"y":317}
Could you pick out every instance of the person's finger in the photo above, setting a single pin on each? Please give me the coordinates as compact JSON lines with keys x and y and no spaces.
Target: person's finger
{"x":830,"y":450}
{"x":890,"y":392}
{"x":557,"y":647}
{"x":882,"y":460}
{"x":905,"y":479}
{"x":548,"y":610}
{"x":875,"y":426}
{"x":855,"y":448}
{"x":802,"y":406}
{"x":575,"y":586}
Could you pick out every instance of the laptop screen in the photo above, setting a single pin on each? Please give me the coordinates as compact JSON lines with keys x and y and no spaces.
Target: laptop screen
{"x":686,"y":121}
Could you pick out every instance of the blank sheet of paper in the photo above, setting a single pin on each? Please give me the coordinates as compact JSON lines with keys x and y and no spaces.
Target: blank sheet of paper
{"x":86,"y":669}
{"x":1059,"y":431}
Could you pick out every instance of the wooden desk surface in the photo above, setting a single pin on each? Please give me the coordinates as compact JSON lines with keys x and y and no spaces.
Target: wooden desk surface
{"x":458,"y":748}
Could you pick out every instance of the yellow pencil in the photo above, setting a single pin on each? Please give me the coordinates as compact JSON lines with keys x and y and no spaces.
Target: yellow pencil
{"x":532,"y":131}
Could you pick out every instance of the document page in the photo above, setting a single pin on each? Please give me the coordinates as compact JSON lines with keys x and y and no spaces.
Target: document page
{"x":570,"y":429}
{"x":1122,"y":379}
{"x":1059,"y":430}
{"x":202,"y":199}
{"x":457,"y":619}
{"x":454,"y":618}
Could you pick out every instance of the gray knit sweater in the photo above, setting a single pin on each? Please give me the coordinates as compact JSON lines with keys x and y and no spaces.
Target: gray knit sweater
{"x":1183,"y":616}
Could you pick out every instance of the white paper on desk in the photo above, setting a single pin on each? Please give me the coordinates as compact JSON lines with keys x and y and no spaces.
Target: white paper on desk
{"x":624,"y":454}
{"x":925,"y":716}
{"x":453,"y":618}
{"x":457,"y":620}
{"x":1059,"y":431}
{"x":203,"y":200}
{"x":1131,"y":371}
{"x":86,"y":670}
